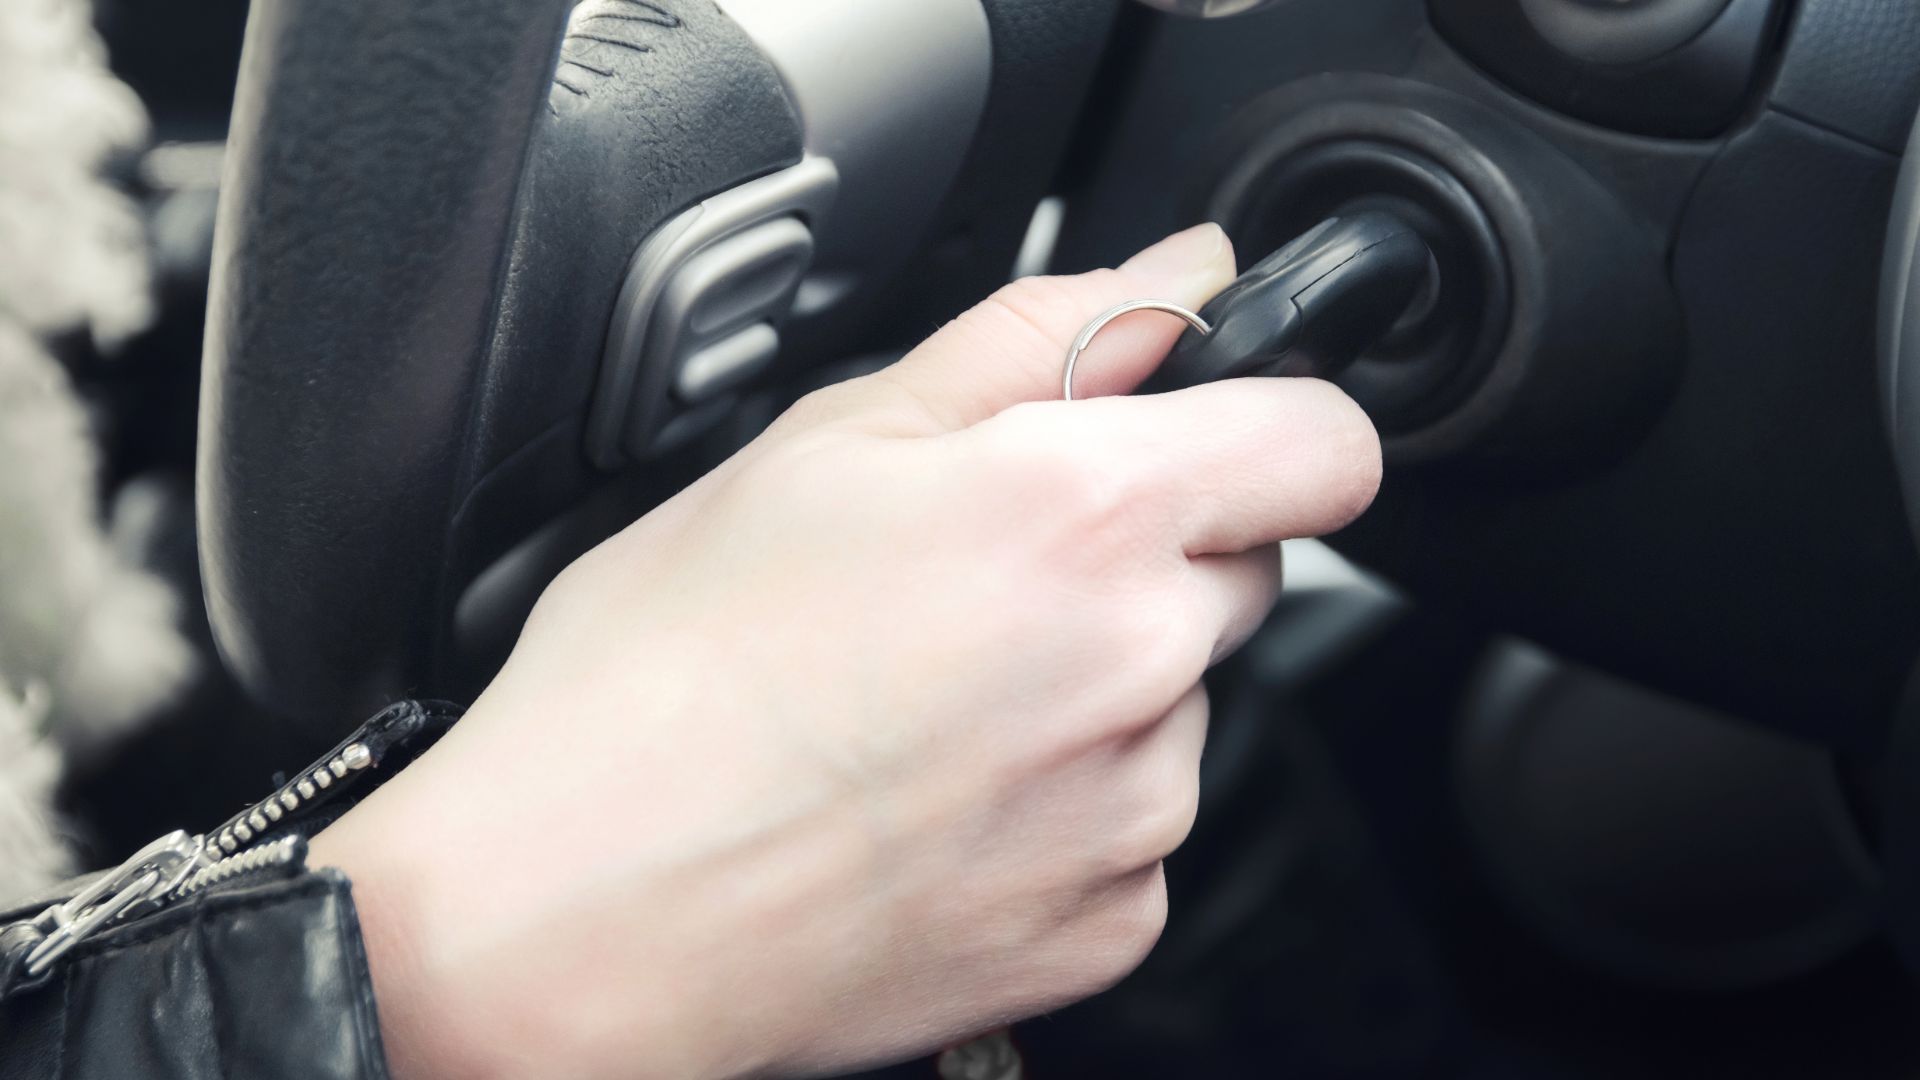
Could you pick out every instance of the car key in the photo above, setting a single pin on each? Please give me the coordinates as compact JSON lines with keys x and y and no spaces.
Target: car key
{"x":1311,"y":308}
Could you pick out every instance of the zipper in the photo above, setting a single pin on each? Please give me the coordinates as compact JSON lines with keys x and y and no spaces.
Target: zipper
{"x":262,"y":818}
{"x":268,"y":837}
{"x":278,"y":854}
{"x":180,"y":865}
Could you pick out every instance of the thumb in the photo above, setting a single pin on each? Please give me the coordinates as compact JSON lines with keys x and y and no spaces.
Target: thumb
{"x":1011,"y":347}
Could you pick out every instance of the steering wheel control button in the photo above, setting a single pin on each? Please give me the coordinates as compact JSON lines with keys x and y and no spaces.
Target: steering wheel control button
{"x":726,"y":364}
{"x":739,"y":280}
{"x":700,"y":310}
{"x":690,"y":425}
{"x":714,"y":325}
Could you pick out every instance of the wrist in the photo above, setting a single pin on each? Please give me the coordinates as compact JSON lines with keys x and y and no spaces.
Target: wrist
{"x":420,"y":1039}
{"x":485,"y":961}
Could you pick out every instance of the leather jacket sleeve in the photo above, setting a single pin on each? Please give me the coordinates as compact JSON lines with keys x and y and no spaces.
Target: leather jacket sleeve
{"x":212,"y":957}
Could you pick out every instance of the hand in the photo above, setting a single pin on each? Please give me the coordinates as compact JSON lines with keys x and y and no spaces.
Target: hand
{"x":873,"y":738}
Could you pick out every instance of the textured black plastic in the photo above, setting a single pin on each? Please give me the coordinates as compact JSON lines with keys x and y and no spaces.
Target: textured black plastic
{"x":1656,"y":841}
{"x":1899,"y":824}
{"x":1751,"y":551}
{"x":1849,"y":66}
{"x":1695,"y":88}
{"x":419,"y":241}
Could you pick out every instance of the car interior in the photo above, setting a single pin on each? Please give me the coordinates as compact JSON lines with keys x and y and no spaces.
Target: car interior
{"x":1588,"y":752}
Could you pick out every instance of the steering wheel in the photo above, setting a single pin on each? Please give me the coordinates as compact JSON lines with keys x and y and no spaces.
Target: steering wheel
{"x":480,"y":262}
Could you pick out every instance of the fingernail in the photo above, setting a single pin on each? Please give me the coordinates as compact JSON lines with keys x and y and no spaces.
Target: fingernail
{"x":1196,"y":253}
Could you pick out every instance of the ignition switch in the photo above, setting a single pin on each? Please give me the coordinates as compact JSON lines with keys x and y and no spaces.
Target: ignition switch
{"x":1547,"y":336}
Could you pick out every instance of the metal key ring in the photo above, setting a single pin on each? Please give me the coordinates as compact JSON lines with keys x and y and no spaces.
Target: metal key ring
{"x":1086,"y":336}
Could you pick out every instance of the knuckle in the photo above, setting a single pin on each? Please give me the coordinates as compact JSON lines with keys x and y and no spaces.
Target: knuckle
{"x":1157,"y":830}
{"x":1037,"y":445}
{"x":1162,"y":652}
{"x":1164,"y":812}
{"x":1149,"y":917}
{"x":1103,"y":502}
{"x":1011,"y":321}
{"x":1039,"y":314}
{"x":1141,"y":656}
{"x":1056,"y":475}
{"x":1031,"y":296}
{"x":1048,"y":309}
{"x":1105,"y":499}
{"x":1131,"y":927}
{"x":1141,"y":634}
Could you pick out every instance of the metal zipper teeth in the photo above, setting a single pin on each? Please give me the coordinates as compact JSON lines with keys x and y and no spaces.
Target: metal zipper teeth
{"x":268,"y":856}
{"x":231,"y":859}
{"x":296,"y":792}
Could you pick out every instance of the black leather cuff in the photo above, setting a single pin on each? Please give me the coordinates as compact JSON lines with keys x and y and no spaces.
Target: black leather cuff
{"x":238,"y":962}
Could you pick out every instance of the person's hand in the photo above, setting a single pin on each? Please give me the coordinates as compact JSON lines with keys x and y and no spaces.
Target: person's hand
{"x":873,"y":738}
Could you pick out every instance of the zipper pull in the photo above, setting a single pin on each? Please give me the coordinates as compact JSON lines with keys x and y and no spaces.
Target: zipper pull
{"x":268,"y":836}
{"x":148,"y":876}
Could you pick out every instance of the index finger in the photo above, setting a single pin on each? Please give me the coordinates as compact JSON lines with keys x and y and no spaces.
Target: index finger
{"x":1011,"y":347}
{"x":1220,"y":468}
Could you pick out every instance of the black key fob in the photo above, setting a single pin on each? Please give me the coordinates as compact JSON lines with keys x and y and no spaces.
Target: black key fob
{"x":1310,"y":308}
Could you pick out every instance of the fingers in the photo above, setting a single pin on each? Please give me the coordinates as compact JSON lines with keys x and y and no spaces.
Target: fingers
{"x":1236,"y":592}
{"x":1221,"y":468}
{"x":1012,"y":347}
{"x":1159,"y":789}
{"x":1169,"y":753}
{"x":1120,"y":930}
{"x":1156,"y":786}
